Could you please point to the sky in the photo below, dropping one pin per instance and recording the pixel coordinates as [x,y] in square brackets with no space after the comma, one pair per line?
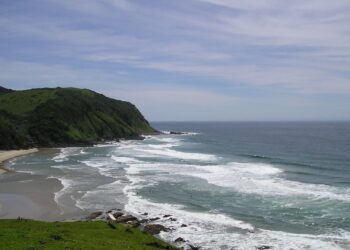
[189,60]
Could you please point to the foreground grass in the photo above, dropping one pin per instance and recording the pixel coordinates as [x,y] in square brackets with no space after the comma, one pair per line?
[30,235]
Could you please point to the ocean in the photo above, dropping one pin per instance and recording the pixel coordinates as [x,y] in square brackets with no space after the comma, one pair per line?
[229,185]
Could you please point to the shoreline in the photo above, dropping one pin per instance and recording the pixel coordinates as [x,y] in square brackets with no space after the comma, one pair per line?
[10,154]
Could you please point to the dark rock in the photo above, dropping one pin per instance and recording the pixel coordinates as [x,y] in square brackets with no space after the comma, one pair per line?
[153,219]
[180,239]
[143,221]
[194,247]
[173,219]
[176,133]
[118,214]
[94,215]
[155,228]
[263,247]
[145,214]
[183,225]
[134,223]
[125,218]
[167,215]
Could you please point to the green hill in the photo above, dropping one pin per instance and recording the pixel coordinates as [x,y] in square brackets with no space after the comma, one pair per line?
[65,117]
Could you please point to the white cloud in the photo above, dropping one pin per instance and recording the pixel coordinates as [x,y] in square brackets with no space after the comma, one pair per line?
[296,46]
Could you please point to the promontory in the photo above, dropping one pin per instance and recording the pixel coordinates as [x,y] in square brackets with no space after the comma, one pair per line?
[57,117]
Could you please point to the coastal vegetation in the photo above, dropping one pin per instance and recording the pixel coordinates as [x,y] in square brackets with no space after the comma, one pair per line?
[29,234]
[54,117]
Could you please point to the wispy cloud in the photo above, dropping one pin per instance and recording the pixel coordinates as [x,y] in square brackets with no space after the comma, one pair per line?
[297,47]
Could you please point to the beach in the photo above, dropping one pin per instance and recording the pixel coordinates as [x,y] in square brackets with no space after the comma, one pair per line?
[23,194]
[9,154]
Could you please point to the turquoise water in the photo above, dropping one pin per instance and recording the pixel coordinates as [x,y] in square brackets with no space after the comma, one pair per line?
[235,185]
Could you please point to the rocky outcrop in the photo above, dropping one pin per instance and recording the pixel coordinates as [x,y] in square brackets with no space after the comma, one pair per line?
[118,214]
[125,219]
[264,247]
[176,133]
[180,239]
[94,215]
[155,228]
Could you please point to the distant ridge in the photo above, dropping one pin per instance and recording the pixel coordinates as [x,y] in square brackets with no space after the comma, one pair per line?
[54,117]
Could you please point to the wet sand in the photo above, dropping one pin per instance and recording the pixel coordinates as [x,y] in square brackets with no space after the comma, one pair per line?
[9,154]
[27,195]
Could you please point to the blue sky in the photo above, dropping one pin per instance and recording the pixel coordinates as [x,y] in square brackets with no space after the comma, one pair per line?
[195,60]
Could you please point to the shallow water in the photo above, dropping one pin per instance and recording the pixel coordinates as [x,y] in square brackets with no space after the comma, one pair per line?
[236,185]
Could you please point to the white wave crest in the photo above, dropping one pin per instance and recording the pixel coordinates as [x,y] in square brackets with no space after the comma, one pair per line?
[124,160]
[65,153]
[264,179]
[178,154]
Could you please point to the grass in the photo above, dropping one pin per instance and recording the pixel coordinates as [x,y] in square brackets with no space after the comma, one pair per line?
[65,116]
[21,102]
[33,235]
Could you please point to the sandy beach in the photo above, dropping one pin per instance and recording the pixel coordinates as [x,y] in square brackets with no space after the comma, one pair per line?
[9,154]
[23,195]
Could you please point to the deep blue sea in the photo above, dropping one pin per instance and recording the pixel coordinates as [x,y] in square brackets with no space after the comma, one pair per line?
[235,185]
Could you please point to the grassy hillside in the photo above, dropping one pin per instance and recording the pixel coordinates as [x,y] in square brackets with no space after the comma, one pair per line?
[65,116]
[28,234]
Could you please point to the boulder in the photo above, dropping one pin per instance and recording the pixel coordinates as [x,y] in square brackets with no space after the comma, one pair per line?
[125,218]
[172,219]
[263,247]
[194,247]
[155,228]
[143,221]
[183,225]
[154,219]
[118,214]
[180,239]
[167,215]
[94,215]
[133,223]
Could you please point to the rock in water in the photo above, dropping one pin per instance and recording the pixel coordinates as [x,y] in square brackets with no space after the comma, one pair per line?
[194,247]
[125,218]
[263,247]
[134,223]
[143,221]
[180,239]
[153,219]
[155,228]
[94,215]
[118,214]
[176,133]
